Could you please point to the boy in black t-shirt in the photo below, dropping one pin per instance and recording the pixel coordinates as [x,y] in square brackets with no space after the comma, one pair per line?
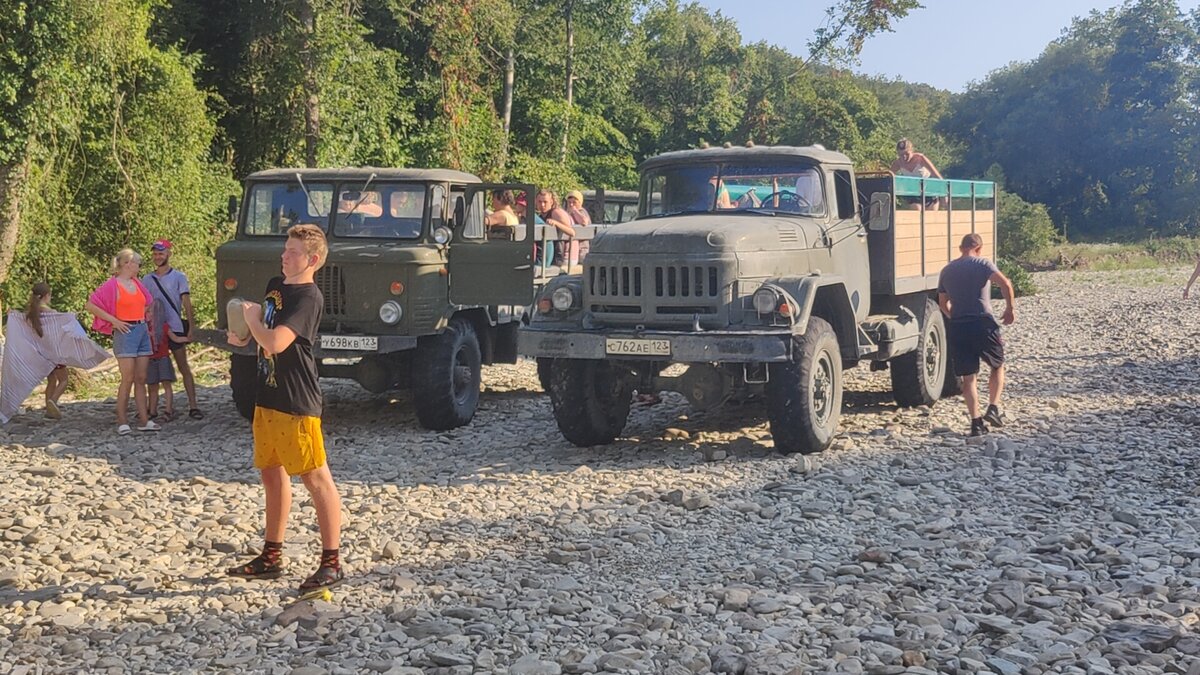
[287,415]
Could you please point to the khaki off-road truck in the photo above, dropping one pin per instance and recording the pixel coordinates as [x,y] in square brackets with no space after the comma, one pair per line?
[419,292]
[765,270]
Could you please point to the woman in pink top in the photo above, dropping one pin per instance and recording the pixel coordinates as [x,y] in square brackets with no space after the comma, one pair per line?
[119,306]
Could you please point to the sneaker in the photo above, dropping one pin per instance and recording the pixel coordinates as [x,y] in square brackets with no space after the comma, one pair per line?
[978,428]
[993,416]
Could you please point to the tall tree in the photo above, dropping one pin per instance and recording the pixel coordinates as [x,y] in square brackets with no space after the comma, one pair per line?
[116,150]
[35,44]
[1101,127]
[299,80]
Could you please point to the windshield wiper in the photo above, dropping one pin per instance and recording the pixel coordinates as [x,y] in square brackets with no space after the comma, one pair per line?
[362,193]
[315,208]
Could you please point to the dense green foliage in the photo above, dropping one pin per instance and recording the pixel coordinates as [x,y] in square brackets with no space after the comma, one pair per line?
[1021,279]
[125,120]
[117,139]
[1101,128]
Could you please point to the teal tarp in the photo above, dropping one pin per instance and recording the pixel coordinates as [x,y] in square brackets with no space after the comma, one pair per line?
[910,186]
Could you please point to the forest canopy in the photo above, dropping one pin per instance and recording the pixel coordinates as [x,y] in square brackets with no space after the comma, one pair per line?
[122,121]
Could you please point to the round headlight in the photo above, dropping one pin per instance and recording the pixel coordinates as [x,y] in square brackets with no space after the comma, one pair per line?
[441,235]
[765,300]
[390,312]
[562,298]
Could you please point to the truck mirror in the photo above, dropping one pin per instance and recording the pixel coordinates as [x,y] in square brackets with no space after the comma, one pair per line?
[233,208]
[880,217]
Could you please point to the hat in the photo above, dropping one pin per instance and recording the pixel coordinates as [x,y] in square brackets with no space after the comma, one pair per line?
[521,199]
[161,245]
[576,194]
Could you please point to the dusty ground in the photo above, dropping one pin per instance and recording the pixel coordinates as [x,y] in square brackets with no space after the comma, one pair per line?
[1066,542]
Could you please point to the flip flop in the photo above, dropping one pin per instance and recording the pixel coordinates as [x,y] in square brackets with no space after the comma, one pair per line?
[195,414]
[124,430]
[168,416]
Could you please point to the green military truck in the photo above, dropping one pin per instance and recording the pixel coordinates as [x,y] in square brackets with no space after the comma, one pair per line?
[610,207]
[419,292]
[764,270]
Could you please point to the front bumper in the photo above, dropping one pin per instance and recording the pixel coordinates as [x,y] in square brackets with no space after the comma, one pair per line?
[387,344]
[704,347]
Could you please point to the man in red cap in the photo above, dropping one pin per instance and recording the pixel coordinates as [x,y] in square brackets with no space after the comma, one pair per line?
[171,286]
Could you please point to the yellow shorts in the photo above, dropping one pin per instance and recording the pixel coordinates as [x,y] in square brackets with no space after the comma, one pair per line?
[291,441]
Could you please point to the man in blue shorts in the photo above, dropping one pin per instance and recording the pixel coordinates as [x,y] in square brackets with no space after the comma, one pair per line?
[964,294]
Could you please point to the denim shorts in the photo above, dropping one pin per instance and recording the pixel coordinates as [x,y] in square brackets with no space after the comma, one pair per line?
[134,343]
[160,371]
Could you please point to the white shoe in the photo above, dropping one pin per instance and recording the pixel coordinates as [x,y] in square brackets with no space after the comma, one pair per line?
[149,426]
[123,430]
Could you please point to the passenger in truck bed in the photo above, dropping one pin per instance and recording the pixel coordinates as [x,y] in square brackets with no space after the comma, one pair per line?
[909,162]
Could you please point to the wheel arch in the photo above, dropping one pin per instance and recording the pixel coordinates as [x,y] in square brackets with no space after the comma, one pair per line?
[484,326]
[832,304]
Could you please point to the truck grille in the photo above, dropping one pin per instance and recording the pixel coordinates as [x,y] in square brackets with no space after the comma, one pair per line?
[615,281]
[640,293]
[686,282]
[674,281]
[333,287]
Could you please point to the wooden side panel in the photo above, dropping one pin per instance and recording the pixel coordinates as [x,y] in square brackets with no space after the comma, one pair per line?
[943,232]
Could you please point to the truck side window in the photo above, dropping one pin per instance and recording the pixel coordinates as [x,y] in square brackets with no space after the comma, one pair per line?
[845,194]
[473,227]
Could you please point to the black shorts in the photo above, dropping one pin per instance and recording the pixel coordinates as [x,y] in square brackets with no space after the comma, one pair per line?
[928,202]
[974,338]
[176,346]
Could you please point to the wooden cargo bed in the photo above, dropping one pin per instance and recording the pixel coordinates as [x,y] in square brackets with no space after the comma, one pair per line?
[908,256]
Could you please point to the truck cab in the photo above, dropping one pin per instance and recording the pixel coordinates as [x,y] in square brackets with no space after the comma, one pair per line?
[753,266]
[419,292]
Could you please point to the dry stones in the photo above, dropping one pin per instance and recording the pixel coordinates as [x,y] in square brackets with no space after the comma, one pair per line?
[1068,541]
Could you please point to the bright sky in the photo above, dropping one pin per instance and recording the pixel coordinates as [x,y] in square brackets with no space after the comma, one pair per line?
[947,44]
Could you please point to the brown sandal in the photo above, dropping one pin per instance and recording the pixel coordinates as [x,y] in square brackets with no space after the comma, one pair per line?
[259,568]
[324,577]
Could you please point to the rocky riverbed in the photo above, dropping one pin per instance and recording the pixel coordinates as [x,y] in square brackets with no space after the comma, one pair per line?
[1066,542]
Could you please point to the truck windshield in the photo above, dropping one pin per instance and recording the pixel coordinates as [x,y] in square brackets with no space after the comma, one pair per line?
[792,188]
[271,208]
[380,210]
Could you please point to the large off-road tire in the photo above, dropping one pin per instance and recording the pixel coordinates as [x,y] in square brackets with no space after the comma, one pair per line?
[446,371]
[918,377]
[591,400]
[243,382]
[544,368]
[804,396]
[953,385]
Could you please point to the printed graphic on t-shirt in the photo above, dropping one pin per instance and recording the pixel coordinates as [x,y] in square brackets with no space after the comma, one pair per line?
[288,379]
[272,306]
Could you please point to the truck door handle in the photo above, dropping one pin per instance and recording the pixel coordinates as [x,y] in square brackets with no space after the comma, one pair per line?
[523,267]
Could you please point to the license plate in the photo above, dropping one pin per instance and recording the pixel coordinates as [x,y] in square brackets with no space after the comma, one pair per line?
[362,343]
[632,347]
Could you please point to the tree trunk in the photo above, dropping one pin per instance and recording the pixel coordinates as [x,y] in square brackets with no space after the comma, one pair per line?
[510,68]
[12,186]
[570,12]
[312,99]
